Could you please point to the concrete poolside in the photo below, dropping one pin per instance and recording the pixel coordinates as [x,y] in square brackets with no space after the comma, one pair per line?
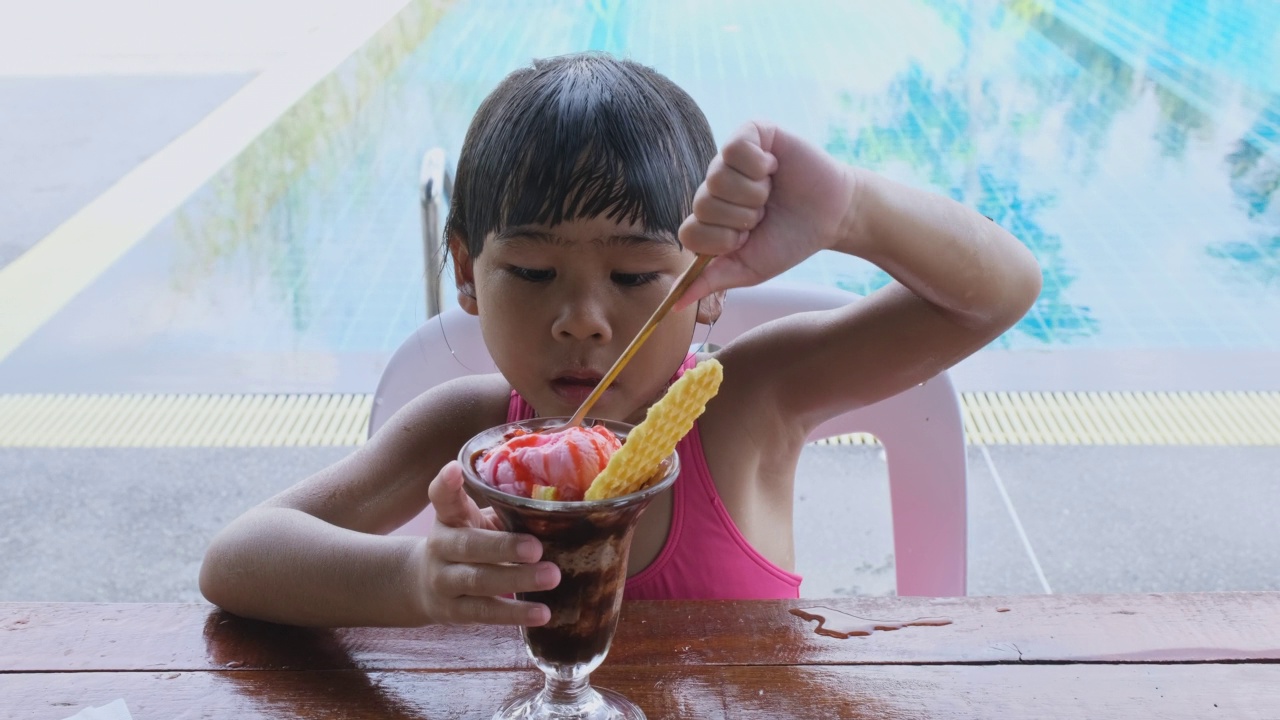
[130,524]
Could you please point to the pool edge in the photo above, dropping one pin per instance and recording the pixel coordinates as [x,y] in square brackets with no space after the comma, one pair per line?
[41,281]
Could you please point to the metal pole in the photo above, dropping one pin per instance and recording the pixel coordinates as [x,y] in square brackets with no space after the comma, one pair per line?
[434,183]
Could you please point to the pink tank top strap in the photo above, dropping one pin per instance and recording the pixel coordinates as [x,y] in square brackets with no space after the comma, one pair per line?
[518,409]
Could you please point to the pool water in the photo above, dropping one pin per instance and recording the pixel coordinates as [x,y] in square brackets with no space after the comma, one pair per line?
[1134,147]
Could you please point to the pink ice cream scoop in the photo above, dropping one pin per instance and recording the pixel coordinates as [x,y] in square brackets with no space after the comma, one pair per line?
[529,463]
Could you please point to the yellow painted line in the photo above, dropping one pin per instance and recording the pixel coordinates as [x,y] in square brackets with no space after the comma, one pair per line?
[850,439]
[1268,415]
[269,420]
[183,420]
[46,277]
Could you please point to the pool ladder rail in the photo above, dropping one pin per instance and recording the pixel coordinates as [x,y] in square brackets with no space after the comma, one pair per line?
[435,186]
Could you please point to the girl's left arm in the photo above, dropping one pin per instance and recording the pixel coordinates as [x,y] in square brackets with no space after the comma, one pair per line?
[770,200]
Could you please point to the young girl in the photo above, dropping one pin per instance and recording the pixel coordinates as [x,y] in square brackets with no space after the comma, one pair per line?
[580,196]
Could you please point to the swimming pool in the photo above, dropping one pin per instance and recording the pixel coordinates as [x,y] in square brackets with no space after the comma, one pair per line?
[1135,150]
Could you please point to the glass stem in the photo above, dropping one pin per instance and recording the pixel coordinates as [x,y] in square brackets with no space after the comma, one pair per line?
[569,690]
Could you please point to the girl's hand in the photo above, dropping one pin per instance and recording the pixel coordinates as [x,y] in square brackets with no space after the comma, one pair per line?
[769,201]
[470,562]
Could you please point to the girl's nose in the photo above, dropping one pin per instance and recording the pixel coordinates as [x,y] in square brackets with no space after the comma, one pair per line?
[582,318]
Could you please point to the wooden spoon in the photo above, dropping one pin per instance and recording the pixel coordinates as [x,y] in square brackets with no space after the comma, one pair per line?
[677,291]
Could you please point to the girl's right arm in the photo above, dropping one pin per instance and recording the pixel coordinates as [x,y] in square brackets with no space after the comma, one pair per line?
[317,554]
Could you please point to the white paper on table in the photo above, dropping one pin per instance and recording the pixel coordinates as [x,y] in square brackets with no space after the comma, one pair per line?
[114,710]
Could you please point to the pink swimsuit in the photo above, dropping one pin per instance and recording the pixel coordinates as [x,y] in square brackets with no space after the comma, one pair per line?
[705,556]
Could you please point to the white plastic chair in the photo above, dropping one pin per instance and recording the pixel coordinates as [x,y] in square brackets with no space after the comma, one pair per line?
[921,429]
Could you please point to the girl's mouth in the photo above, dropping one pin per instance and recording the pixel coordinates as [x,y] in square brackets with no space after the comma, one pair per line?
[573,389]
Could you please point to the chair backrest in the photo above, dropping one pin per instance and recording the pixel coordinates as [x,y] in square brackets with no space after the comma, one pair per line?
[921,429]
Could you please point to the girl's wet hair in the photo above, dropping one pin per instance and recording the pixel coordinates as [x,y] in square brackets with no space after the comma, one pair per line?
[580,136]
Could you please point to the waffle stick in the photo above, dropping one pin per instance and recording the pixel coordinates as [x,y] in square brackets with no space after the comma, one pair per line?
[669,420]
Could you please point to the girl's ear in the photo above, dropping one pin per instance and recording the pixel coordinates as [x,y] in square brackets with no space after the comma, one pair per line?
[709,307]
[464,275]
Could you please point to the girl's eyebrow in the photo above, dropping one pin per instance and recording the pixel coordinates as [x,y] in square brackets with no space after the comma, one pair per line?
[639,238]
[524,234]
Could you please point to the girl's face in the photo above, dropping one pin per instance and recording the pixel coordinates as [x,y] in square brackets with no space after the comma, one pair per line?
[557,306]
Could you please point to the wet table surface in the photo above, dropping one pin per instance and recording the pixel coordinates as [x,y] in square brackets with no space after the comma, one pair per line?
[1210,655]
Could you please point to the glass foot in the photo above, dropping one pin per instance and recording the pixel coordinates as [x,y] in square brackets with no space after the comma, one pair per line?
[595,704]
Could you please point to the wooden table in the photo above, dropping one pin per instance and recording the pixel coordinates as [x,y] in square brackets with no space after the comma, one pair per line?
[1123,656]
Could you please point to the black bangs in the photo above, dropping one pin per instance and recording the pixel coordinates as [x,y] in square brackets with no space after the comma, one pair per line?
[580,136]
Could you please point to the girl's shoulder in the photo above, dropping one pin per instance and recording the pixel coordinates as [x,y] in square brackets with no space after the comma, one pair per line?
[444,417]
[471,402]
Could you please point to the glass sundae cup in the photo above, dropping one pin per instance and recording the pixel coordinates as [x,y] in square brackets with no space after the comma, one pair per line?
[589,541]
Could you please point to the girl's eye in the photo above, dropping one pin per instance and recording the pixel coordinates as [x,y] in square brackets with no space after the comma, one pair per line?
[531,274]
[634,279]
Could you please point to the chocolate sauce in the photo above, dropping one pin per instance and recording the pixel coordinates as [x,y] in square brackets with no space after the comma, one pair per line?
[837,624]
[591,549]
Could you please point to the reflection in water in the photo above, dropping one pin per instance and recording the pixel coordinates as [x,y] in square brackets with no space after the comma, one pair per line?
[277,225]
[1132,146]
[1179,120]
[853,692]
[931,128]
[1035,108]
[338,688]
[1196,59]
[1109,84]
[1255,177]
[1032,74]
[1259,259]
[289,215]
[1092,84]
[1028,122]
